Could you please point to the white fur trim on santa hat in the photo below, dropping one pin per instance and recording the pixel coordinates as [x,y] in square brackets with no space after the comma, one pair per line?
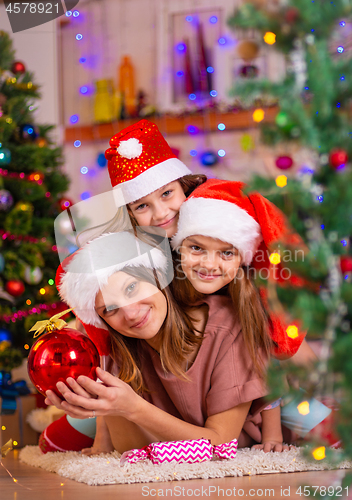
[153,178]
[83,278]
[219,219]
[131,148]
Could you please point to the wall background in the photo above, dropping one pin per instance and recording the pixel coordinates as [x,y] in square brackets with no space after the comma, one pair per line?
[145,30]
[37,49]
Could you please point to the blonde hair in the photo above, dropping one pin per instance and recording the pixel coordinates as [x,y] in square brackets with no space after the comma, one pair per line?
[120,222]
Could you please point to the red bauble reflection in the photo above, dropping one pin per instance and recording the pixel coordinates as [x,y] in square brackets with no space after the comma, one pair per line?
[61,354]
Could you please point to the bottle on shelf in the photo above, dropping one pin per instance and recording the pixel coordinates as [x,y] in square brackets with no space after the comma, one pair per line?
[127,85]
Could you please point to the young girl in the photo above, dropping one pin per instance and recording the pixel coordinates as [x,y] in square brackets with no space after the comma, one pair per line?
[179,376]
[224,237]
[154,183]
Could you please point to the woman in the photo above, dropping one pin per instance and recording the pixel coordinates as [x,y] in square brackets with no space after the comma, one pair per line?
[175,374]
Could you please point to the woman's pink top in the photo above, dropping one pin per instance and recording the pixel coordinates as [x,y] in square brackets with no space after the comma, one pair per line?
[221,376]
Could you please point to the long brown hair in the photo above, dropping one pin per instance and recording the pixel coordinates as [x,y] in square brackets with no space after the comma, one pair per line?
[191,181]
[178,338]
[247,303]
[252,316]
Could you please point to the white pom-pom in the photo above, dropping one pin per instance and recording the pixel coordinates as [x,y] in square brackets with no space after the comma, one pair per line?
[40,418]
[131,148]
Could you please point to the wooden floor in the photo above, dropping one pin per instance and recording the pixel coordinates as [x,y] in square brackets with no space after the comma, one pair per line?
[37,484]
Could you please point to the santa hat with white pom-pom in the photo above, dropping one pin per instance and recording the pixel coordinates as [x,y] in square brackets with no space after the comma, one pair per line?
[140,161]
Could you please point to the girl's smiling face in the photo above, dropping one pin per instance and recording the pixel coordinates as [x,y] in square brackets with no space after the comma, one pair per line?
[160,208]
[209,263]
[132,307]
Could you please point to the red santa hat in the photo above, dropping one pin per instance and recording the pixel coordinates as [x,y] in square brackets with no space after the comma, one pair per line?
[81,276]
[221,210]
[140,161]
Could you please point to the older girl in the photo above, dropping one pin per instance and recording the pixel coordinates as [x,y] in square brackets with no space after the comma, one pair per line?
[175,375]
[153,184]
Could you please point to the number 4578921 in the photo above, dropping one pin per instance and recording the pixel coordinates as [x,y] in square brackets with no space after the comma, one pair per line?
[32,8]
[330,491]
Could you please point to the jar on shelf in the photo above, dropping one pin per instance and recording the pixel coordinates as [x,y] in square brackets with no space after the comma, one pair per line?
[104,101]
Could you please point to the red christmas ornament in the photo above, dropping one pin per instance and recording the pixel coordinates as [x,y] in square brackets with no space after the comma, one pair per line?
[291,15]
[338,158]
[60,354]
[18,67]
[15,288]
[65,203]
[284,162]
[346,263]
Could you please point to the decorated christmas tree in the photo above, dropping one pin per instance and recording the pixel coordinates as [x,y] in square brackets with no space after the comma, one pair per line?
[32,191]
[314,115]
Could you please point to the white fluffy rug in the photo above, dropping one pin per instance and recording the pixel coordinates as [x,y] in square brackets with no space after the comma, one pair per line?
[106,469]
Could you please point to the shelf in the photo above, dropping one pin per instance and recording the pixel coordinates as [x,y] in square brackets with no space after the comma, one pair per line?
[170,125]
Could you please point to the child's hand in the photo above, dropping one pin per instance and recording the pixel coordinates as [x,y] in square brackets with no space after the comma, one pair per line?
[271,446]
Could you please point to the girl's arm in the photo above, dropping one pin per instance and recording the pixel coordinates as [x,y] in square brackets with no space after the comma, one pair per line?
[219,428]
[271,431]
[118,398]
[102,441]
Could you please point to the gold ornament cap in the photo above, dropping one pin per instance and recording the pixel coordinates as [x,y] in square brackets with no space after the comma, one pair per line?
[49,325]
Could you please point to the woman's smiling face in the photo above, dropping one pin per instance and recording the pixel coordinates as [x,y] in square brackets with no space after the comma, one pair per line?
[209,263]
[132,307]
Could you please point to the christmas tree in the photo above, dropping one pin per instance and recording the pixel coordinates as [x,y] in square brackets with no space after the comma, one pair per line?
[314,114]
[31,196]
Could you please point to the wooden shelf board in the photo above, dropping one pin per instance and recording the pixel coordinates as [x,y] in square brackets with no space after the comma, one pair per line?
[171,125]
